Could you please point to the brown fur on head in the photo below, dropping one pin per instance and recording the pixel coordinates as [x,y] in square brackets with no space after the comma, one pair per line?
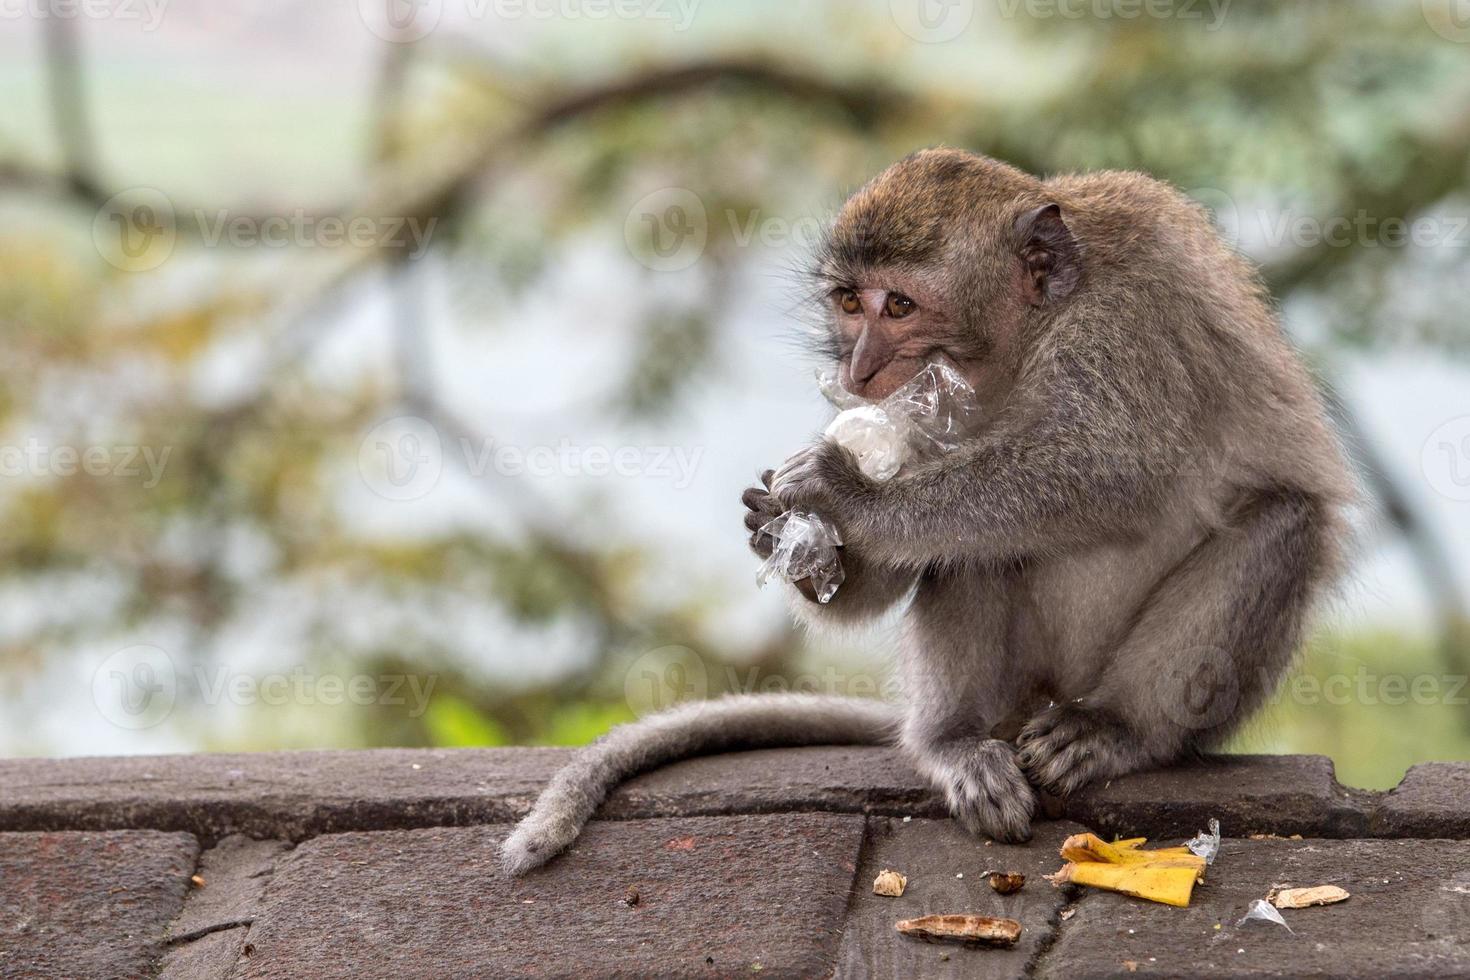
[943,254]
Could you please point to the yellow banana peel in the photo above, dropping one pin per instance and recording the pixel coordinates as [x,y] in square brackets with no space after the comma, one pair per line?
[1166,874]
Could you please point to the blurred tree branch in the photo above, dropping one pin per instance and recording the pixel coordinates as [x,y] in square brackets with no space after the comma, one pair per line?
[445,181]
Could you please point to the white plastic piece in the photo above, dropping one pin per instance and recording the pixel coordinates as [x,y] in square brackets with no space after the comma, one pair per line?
[933,413]
[879,443]
[1265,911]
[1206,844]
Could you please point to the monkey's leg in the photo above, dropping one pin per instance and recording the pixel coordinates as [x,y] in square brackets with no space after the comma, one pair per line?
[961,681]
[1206,648]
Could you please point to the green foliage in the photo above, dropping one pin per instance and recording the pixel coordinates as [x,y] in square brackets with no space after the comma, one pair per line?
[1376,702]
[1318,110]
[578,723]
[453,722]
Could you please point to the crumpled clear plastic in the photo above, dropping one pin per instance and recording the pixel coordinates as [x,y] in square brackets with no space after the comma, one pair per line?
[932,413]
[1206,844]
[805,546]
[1264,911]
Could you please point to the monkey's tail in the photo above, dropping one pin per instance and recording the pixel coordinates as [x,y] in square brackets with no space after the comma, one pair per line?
[747,721]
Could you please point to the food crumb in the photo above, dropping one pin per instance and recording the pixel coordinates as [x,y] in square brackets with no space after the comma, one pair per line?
[890,883]
[1300,898]
[1007,882]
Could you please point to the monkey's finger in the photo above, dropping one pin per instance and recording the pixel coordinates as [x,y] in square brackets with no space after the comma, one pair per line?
[755,520]
[790,472]
[762,545]
[766,478]
[754,498]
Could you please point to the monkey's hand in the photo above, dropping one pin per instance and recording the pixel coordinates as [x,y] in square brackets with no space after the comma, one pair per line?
[824,478]
[761,508]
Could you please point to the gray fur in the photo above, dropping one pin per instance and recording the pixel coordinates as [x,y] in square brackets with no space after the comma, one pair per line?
[694,728]
[1120,565]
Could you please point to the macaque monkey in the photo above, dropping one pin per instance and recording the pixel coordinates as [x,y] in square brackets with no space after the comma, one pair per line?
[1114,571]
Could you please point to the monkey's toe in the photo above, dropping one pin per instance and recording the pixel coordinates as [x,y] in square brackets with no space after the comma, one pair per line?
[988,794]
[1066,747]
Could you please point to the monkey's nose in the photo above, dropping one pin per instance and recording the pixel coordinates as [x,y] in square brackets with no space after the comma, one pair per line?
[862,372]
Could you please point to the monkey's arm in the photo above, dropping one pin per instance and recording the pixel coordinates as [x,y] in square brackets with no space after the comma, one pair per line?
[1087,452]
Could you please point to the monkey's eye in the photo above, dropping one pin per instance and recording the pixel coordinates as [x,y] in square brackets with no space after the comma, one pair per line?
[899,306]
[848,300]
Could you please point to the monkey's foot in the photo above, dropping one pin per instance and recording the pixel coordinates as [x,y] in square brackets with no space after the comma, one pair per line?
[986,790]
[1066,747]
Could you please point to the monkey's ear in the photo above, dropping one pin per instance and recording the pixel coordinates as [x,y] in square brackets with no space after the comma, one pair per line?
[1051,258]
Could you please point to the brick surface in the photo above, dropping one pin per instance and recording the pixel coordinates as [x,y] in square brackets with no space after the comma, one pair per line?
[209,957]
[288,795]
[754,863]
[932,853]
[1432,801]
[1409,916]
[235,873]
[297,795]
[841,779]
[718,896]
[89,904]
[1280,794]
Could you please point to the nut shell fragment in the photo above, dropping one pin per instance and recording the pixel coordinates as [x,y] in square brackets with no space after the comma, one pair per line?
[889,883]
[974,930]
[1007,883]
[1300,898]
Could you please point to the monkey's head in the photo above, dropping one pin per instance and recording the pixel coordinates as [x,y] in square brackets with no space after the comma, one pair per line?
[945,254]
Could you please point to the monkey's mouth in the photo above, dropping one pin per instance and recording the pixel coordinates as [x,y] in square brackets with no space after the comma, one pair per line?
[895,374]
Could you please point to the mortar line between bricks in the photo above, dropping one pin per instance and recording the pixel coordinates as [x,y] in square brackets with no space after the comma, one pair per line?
[244,956]
[210,833]
[853,891]
[249,927]
[244,923]
[167,944]
[1047,943]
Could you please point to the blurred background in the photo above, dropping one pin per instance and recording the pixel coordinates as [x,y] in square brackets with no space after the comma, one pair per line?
[387,372]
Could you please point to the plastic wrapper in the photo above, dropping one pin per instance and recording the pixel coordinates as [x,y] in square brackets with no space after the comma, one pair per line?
[1206,844]
[1264,911]
[931,414]
[805,546]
